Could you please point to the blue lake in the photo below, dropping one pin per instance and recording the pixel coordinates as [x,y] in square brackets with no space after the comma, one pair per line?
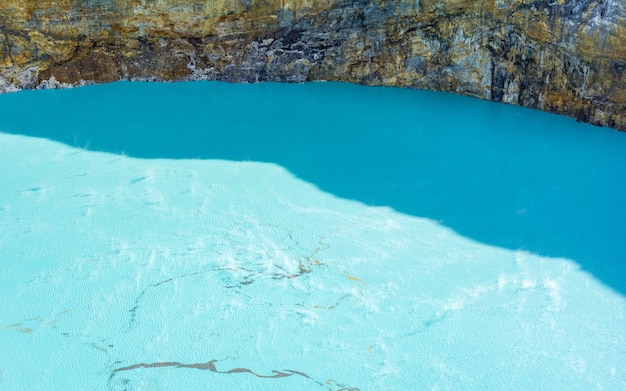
[312,236]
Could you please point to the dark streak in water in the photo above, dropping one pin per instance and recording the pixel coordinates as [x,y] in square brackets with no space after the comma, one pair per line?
[210,366]
[305,266]
[310,261]
[429,322]
[138,179]
[302,270]
[133,310]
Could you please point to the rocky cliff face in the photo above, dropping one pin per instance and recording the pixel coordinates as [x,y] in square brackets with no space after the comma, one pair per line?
[563,56]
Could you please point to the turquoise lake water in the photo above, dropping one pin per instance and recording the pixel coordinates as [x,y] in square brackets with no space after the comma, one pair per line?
[317,236]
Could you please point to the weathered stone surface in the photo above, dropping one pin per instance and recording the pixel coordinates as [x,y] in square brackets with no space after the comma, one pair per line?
[563,56]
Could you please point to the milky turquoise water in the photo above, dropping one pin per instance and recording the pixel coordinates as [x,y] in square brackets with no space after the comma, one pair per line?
[318,236]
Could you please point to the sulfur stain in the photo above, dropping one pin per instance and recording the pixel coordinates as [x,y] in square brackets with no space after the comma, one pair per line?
[353,278]
[18,327]
[100,348]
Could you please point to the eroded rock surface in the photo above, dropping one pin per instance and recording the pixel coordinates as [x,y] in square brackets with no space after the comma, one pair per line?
[563,56]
